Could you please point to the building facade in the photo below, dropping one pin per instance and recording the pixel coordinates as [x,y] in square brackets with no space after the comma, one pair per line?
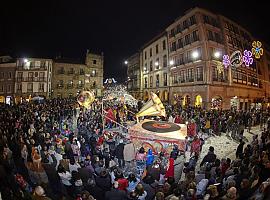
[134,76]
[33,78]
[195,75]
[7,79]
[154,68]
[94,72]
[70,78]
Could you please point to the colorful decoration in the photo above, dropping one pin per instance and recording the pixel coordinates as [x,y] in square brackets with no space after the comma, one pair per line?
[226,61]
[257,49]
[236,59]
[247,58]
[86,98]
[220,68]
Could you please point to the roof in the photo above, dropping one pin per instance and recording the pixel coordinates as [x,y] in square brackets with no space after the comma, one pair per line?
[69,61]
[163,33]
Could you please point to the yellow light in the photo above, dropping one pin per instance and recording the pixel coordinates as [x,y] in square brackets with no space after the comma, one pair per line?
[257,49]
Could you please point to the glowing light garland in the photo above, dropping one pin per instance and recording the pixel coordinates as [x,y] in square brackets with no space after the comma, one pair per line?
[247,58]
[226,61]
[220,68]
[257,49]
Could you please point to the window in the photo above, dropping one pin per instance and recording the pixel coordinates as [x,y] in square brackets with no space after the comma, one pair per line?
[30,76]
[187,39]
[41,76]
[151,65]
[37,64]
[157,63]
[157,49]
[29,87]
[60,84]
[188,58]
[206,19]
[145,55]
[157,80]
[178,28]
[145,82]
[192,20]
[217,37]
[174,78]
[190,77]
[172,34]
[2,75]
[94,62]
[150,52]
[185,24]
[145,67]
[41,87]
[195,36]
[9,75]
[8,88]
[164,45]
[81,71]
[210,35]
[151,81]
[165,79]
[199,74]
[165,61]
[173,48]
[71,71]
[94,73]
[182,76]
[19,87]
[70,84]
[180,43]
[2,88]
[181,59]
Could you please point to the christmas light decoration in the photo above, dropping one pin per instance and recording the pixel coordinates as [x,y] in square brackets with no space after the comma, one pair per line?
[226,61]
[247,58]
[257,49]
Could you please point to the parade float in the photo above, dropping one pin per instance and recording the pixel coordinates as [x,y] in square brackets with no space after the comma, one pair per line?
[160,136]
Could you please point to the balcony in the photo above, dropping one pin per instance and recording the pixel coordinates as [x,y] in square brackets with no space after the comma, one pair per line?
[60,86]
[31,79]
[80,86]
[69,86]
[32,68]
[60,72]
[70,72]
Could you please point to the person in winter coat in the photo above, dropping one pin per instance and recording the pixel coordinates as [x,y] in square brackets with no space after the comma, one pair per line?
[115,193]
[210,157]
[104,180]
[170,170]
[129,152]
[178,168]
[149,158]
[119,154]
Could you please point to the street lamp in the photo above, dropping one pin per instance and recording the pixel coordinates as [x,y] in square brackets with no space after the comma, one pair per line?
[217,54]
[171,62]
[195,54]
[25,60]
[126,62]
[156,63]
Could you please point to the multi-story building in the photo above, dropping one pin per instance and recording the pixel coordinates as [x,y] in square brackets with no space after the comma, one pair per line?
[154,67]
[7,79]
[134,75]
[68,78]
[197,42]
[72,77]
[33,78]
[94,72]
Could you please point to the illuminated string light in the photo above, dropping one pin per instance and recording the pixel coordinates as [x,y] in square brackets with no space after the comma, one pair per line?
[257,49]
[226,61]
[247,58]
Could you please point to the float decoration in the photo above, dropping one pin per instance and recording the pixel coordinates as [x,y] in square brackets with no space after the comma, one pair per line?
[226,61]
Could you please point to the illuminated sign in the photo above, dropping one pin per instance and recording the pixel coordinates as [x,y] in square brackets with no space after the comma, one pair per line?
[226,61]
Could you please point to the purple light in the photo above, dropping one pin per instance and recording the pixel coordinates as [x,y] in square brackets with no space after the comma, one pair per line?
[247,58]
[226,61]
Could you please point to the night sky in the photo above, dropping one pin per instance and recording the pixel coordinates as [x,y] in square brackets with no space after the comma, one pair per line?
[47,28]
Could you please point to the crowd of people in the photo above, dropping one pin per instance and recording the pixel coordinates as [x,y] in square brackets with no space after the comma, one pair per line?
[58,150]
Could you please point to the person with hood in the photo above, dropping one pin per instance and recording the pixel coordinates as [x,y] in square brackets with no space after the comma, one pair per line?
[149,158]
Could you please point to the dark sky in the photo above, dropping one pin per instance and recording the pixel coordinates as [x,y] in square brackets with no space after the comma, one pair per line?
[46,28]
